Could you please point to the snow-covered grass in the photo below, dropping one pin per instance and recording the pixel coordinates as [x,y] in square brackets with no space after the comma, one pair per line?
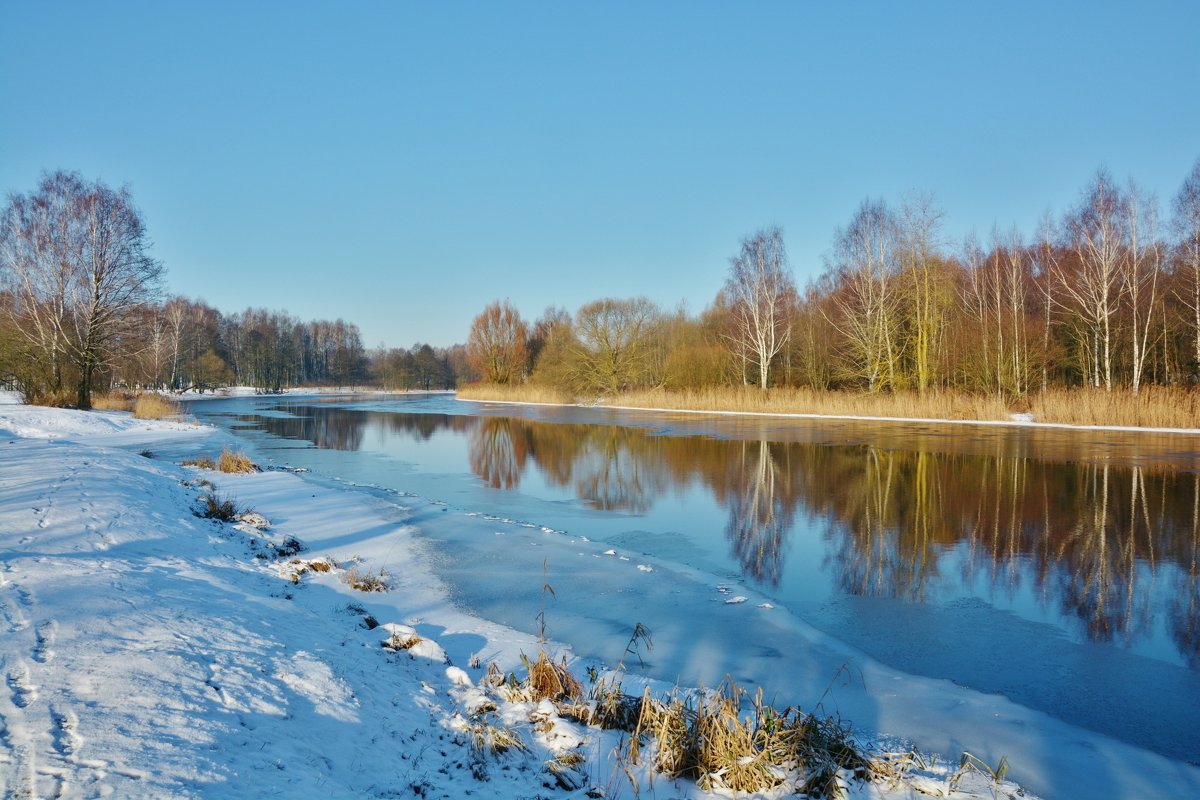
[150,652]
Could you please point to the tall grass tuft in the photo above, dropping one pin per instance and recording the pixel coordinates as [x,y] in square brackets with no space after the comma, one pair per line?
[231,461]
[113,401]
[154,406]
[705,737]
[218,508]
[523,393]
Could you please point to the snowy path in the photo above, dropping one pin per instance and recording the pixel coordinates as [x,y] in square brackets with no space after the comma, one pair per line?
[148,653]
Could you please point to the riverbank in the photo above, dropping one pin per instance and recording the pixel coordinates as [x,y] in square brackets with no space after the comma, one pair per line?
[1153,409]
[150,652]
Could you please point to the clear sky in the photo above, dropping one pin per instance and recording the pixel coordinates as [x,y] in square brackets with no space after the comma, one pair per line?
[402,164]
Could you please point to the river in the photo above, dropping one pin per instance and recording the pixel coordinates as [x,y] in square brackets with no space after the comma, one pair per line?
[1059,569]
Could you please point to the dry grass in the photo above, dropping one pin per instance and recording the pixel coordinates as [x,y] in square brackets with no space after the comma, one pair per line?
[203,462]
[299,566]
[1152,407]
[218,508]
[749,399]
[113,401]
[550,680]
[525,393]
[487,737]
[154,406]
[366,581]
[706,738]
[231,461]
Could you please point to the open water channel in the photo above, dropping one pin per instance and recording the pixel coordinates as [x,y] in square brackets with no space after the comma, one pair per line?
[1058,569]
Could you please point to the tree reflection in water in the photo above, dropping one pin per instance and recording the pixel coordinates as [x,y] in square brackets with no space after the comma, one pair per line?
[761,511]
[1092,540]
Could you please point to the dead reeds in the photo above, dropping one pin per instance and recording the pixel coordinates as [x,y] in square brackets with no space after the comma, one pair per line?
[1152,407]
[523,393]
[154,406]
[113,401]
[235,462]
[364,580]
[219,508]
[705,737]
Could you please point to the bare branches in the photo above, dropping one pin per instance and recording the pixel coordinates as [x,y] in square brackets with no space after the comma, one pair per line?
[77,252]
[497,346]
[761,293]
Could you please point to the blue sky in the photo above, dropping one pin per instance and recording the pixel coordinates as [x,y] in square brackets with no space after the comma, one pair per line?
[400,165]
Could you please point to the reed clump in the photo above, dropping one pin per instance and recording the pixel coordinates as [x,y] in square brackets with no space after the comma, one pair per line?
[219,508]
[706,738]
[154,406]
[235,462]
[364,580]
[200,462]
[113,401]
[547,679]
[752,400]
[522,393]
[1153,406]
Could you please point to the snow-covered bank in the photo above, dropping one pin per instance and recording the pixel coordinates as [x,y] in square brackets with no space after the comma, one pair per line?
[152,653]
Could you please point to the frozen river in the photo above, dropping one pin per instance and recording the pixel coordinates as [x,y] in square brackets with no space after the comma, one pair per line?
[905,576]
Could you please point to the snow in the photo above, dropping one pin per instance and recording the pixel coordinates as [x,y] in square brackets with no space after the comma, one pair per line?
[148,652]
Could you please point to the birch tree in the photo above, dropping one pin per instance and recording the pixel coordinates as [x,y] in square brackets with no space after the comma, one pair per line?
[865,301]
[1096,233]
[1186,223]
[1140,270]
[761,293]
[920,222]
[79,253]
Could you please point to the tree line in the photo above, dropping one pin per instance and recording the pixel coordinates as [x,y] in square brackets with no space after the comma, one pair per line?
[1105,295]
[81,309]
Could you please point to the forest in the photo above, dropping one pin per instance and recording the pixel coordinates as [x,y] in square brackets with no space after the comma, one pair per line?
[81,310]
[1105,296]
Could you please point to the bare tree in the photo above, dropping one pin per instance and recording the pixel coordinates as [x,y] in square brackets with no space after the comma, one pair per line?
[497,346]
[1096,232]
[919,245]
[1140,270]
[1187,228]
[612,352]
[37,253]
[761,293]
[865,301]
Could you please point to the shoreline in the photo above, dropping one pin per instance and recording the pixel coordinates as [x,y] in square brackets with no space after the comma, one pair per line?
[1015,423]
[328,522]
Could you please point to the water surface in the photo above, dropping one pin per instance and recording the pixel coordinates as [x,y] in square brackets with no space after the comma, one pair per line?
[1057,568]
